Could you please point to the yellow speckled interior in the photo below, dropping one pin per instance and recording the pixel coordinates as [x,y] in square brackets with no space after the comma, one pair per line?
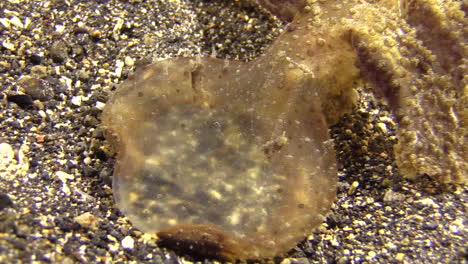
[206,142]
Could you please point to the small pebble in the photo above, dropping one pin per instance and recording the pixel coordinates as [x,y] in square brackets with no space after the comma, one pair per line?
[8,45]
[76,100]
[87,220]
[39,70]
[6,154]
[299,261]
[391,196]
[16,22]
[128,243]
[22,100]
[427,202]
[100,105]
[36,88]
[7,223]
[129,61]
[5,201]
[59,51]
[430,226]
[63,176]
[353,187]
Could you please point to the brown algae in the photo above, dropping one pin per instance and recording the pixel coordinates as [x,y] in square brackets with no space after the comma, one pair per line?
[223,158]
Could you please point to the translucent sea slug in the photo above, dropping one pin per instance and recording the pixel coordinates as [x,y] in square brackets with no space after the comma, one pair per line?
[233,160]
[222,155]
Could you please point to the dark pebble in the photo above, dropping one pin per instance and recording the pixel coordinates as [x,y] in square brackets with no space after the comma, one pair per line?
[83,75]
[89,171]
[98,133]
[78,50]
[68,225]
[22,100]
[52,239]
[15,66]
[430,226]
[91,121]
[36,59]
[101,244]
[68,248]
[36,88]
[143,62]
[15,124]
[19,244]
[45,176]
[291,28]
[7,223]
[80,30]
[105,176]
[5,201]
[34,163]
[332,221]
[59,51]
[54,82]
[99,154]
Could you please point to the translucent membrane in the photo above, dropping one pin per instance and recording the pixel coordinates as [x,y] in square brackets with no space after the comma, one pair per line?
[223,158]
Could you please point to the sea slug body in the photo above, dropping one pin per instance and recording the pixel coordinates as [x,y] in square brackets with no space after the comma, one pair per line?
[218,157]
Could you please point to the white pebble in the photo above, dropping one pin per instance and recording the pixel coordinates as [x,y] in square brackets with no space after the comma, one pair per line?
[6,153]
[456,226]
[63,176]
[118,72]
[15,21]
[129,61]
[100,105]
[42,113]
[27,22]
[59,28]
[76,100]
[87,160]
[5,22]
[8,45]
[128,242]
[119,64]
[427,202]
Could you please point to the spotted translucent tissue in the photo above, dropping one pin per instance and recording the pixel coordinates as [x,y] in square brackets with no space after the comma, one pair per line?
[222,158]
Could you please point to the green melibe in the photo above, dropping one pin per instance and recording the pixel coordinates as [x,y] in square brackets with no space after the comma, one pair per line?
[233,160]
